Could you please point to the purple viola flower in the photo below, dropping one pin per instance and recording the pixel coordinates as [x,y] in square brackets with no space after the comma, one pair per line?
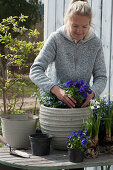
[74,136]
[86,133]
[74,132]
[85,86]
[84,141]
[77,84]
[81,82]
[69,83]
[68,139]
[81,91]
[89,91]
[80,133]
[85,95]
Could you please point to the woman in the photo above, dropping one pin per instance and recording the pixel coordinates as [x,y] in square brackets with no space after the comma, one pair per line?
[73,52]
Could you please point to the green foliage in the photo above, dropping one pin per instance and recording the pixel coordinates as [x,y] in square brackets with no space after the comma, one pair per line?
[106,110]
[29,8]
[101,117]
[22,87]
[18,51]
[14,50]
[93,124]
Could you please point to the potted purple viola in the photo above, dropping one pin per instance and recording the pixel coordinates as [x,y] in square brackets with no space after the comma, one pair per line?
[77,143]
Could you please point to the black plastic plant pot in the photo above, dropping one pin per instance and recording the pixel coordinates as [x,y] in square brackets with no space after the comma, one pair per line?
[75,155]
[40,144]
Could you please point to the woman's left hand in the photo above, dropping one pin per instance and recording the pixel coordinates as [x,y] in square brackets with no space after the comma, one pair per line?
[89,97]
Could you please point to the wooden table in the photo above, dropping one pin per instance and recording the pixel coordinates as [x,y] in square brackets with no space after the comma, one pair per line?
[56,160]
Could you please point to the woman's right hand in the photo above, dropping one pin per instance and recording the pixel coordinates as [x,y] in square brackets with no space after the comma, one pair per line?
[61,95]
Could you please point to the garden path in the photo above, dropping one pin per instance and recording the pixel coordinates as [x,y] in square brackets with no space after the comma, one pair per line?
[28,103]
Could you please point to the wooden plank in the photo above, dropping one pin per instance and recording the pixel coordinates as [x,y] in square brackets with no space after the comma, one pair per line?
[59,13]
[51,16]
[45,19]
[66,5]
[90,2]
[111,73]
[106,36]
[96,18]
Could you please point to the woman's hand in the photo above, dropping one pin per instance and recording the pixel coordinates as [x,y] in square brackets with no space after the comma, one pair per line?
[60,93]
[89,97]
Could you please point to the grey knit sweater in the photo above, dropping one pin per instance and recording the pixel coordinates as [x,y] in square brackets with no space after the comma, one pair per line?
[62,59]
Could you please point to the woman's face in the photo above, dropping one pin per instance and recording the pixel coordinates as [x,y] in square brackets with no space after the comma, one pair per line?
[79,26]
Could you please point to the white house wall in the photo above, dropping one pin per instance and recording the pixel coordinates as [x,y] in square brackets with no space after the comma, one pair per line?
[106,36]
[111,73]
[102,23]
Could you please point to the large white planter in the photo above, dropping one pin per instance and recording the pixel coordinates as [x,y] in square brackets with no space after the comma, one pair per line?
[17,128]
[59,123]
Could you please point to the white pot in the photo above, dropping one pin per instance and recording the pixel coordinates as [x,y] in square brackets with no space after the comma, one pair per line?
[17,128]
[60,123]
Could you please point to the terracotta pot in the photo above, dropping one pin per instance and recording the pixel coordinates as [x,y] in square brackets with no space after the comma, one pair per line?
[75,155]
[60,123]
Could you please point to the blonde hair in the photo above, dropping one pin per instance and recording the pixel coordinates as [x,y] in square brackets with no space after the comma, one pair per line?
[78,7]
[78,0]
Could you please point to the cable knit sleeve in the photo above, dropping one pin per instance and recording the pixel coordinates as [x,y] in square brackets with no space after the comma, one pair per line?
[99,74]
[45,57]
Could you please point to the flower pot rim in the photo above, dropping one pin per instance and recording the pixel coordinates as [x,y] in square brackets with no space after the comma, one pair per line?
[9,117]
[40,136]
[17,132]
[73,148]
[52,108]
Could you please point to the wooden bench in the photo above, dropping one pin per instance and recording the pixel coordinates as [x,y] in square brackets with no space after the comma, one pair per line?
[56,160]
